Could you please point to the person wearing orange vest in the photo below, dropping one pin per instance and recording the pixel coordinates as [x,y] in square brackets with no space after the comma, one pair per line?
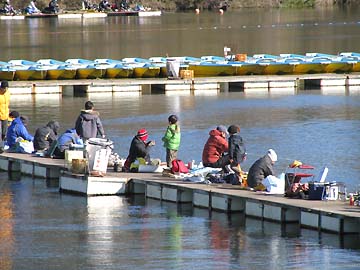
[4,112]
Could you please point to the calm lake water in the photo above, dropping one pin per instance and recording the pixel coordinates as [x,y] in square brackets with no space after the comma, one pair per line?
[43,229]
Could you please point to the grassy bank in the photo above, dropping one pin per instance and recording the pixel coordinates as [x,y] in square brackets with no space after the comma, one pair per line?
[174,5]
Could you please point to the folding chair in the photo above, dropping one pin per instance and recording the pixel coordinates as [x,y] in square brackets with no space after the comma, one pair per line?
[295,172]
[50,152]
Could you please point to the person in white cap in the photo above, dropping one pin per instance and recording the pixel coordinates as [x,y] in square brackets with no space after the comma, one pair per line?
[262,168]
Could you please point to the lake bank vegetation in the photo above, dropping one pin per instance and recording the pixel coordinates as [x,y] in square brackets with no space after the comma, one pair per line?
[184,5]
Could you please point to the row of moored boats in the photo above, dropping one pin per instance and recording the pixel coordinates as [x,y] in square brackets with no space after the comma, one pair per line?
[155,67]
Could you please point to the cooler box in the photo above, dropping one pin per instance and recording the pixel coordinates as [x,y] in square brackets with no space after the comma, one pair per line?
[98,153]
[318,191]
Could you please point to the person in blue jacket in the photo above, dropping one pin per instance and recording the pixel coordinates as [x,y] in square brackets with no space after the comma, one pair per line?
[17,130]
[68,138]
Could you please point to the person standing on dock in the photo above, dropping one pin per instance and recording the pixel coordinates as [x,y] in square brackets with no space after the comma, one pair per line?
[237,150]
[172,139]
[4,112]
[88,124]
[214,153]
[261,169]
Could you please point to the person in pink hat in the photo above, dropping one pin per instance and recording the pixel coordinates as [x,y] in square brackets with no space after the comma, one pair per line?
[139,148]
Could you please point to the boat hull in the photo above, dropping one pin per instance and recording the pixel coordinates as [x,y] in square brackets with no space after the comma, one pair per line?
[146,72]
[7,75]
[356,67]
[61,74]
[278,69]
[338,67]
[309,68]
[89,73]
[212,70]
[30,75]
[249,69]
[112,73]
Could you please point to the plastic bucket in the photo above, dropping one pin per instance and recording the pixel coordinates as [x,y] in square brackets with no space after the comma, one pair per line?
[98,152]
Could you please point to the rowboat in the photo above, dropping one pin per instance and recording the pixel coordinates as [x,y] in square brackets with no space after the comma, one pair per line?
[114,68]
[302,64]
[6,72]
[143,68]
[86,69]
[355,57]
[27,70]
[57,70]
[332,63]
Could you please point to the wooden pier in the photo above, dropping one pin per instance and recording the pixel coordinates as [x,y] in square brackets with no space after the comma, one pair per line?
[327,83]
[331,216]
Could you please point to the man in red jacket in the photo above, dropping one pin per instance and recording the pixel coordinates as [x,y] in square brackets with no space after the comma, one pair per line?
[215,148]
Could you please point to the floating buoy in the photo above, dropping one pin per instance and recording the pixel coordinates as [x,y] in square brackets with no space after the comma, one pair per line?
[197,11]
[221,11]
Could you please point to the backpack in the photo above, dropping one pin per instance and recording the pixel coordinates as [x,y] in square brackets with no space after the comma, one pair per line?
[178,166]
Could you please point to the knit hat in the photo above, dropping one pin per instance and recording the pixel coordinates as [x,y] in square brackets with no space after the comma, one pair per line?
[273,156]
[142,134]
[222,128]
[234,129]
[4,84]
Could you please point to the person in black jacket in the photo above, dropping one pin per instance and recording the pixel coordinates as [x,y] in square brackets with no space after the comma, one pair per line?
[139,148]
[88,124]
[261,169]
[45,136]
[237,150]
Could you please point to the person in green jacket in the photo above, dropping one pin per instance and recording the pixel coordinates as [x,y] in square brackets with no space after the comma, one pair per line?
[171,139]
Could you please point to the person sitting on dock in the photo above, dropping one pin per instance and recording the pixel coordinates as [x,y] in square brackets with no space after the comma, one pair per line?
[139,148]
[31,8]
[124,5]
[17,133]
[104,6]
[53,7]
[261,169]
[8,8]
[88,124]
[45,136]
[237,150]
[214,153]
[67,140]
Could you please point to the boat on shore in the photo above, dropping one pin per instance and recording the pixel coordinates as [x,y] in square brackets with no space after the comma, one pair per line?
[27,70]
[115,68]
[143,68]
[57,70]
[86,69]
[332,63]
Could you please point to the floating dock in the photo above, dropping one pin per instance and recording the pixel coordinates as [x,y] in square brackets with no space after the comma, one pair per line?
[331,216]
[327,83]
